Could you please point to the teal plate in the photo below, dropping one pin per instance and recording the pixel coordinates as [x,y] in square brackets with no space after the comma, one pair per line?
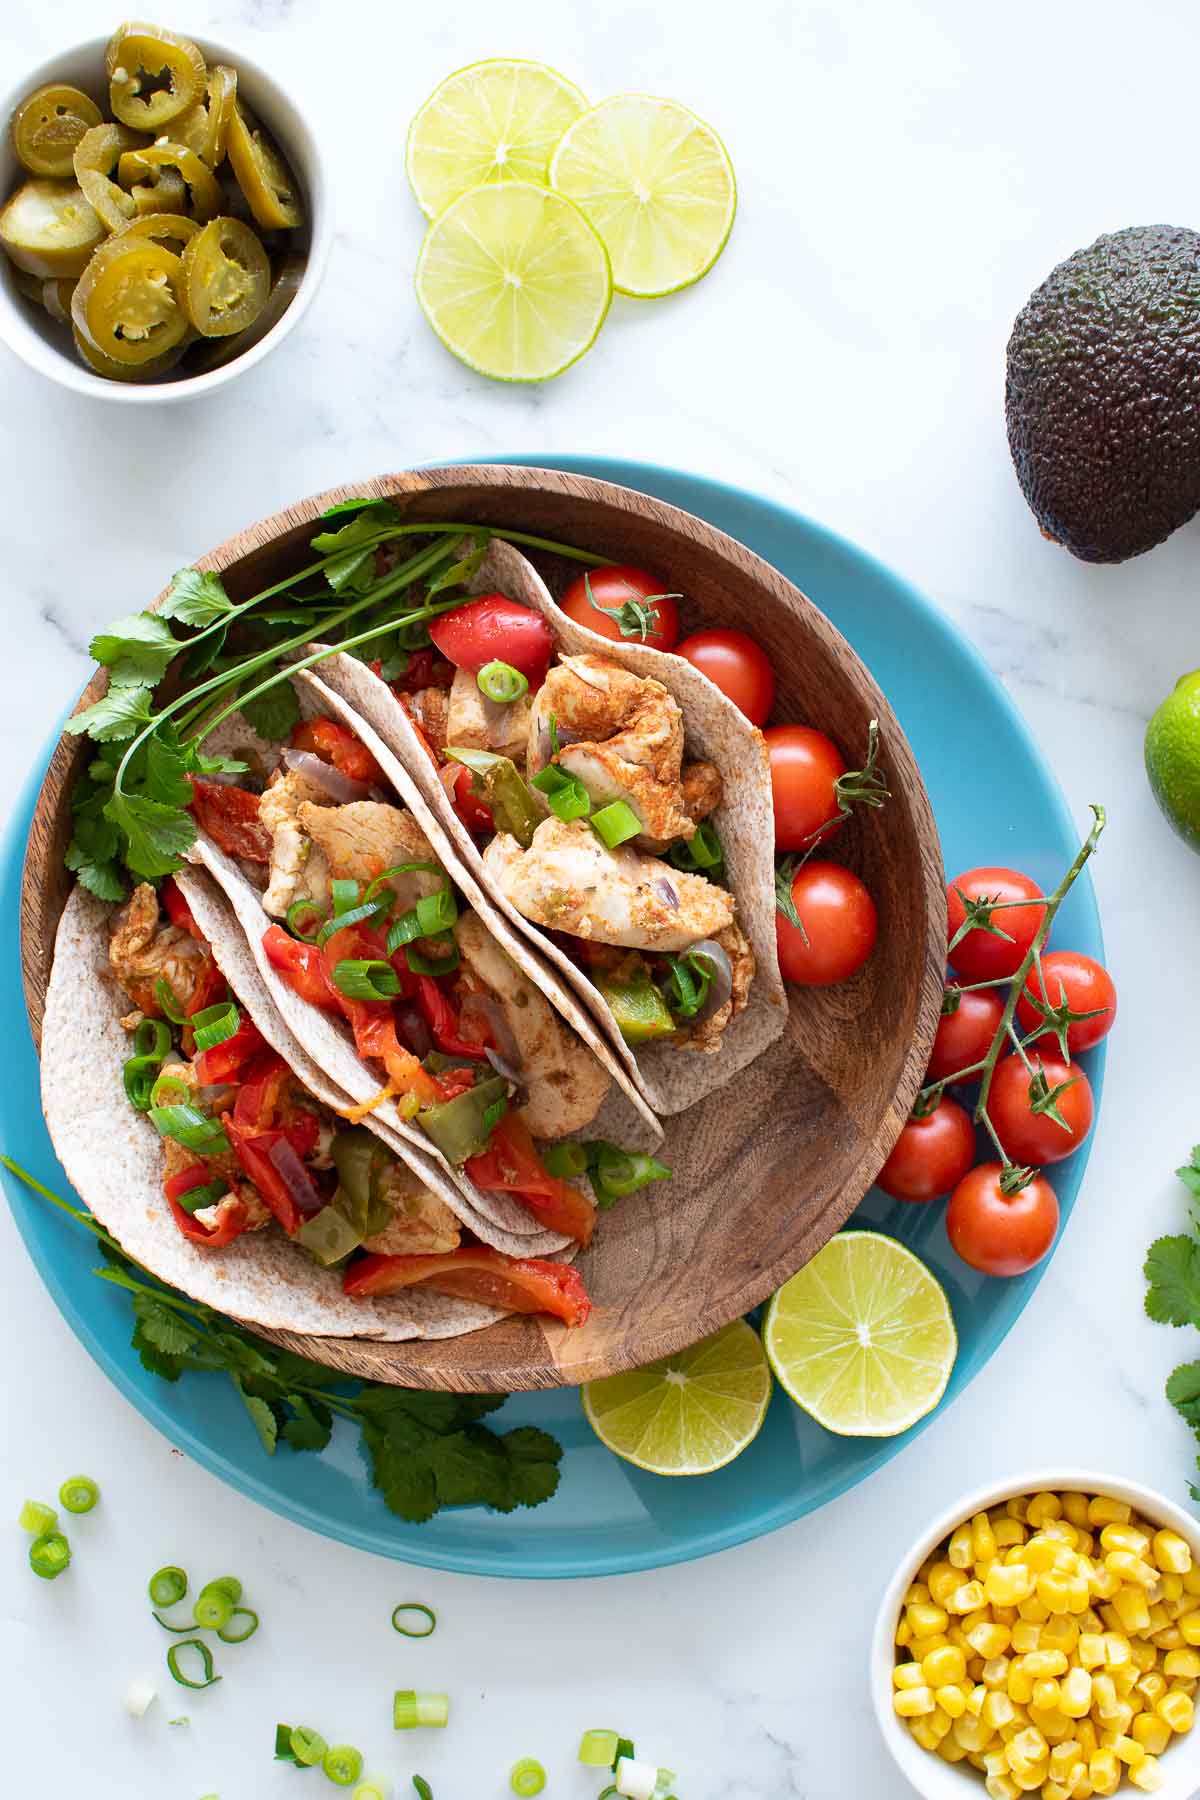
[608,1518]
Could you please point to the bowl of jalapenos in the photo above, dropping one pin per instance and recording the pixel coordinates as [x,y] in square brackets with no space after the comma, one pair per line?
[163,220]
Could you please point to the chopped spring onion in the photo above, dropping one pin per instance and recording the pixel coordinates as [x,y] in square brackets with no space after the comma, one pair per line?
[206,1664]
[500,682]
[403,930]
[191,1128]
[152,1038]
[615,1172]
[167,1587]
[616,823]
[375,1787]
[49,1555]
[624,1748]
[433,965]
[345,896]
[165,995]
[687,982]
[304,909]
[283,1744]
[215,1024]
[599,1749]
[78,1494]
[565,1161]
[308,1746]
[228,1584]
[206,1195]
[36,1519]
[410,1709]
[356,916]
[527,1776]
[342,1764]
[436,912]
[184,1630]
[139,1697]
[702,850]
[414,1606]
[170,1088]
[181,1720]
[138,1075]
[375,890]
[493,1114]
[368,979]
[227,1632]
[213,1609]
[423,1788]
[642,1780]
[567,797]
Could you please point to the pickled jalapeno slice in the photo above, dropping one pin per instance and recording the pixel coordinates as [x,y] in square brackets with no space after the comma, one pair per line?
[96,156]
[100,364]
[144,167]
[129,302]
[47,126]
[153,75]
[204,127]
[226,278]
[48,229]
[271,190]
[174,231]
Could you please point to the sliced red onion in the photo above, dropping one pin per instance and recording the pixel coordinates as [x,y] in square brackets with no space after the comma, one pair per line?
[502,1036]
[296,1178]
[414,1031]
[502,1066]
[722,981]
[666,891]
[210,1097]
[543,748]
[339,787]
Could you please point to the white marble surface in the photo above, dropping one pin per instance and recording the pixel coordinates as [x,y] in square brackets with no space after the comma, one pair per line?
[908,171]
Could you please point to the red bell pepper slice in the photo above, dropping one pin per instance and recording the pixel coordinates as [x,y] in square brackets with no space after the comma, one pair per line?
[178,910]
[511,1164]
[443,1021]
[515,1284]
[266,1102]
[303,967]
[224,1062]
[475,815]
[253,1152]
[336,744]
[233,1211]
[230,817]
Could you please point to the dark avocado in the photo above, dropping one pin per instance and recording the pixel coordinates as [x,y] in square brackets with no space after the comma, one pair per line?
[1103,393]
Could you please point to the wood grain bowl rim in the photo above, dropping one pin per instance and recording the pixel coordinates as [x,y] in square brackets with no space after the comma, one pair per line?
[564,1358]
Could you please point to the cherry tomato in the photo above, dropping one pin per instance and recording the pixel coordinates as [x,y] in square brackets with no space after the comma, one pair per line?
[931,1155]
[1075,981]
[805,766]
[1034,1137]
[839,918]
[474,813]
[981,955]
[999,1233]
[618,612]
[734,663]
[495,629]
[965,1035]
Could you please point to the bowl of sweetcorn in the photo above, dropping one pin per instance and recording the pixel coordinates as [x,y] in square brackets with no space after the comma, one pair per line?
[1043,1637]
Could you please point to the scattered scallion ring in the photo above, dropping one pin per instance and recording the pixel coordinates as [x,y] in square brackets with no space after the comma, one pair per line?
[598,1749]
[216,1024]
[565,794]
[39,1520]
[436,912]
[374,890]
[414,1606]
[410,1709]
[213,1609]
[616,823]
[164,993]
[78,1494]
[206,1664]
[228,1584]
[228,1635]
[139,1075]
[403,930]
[366,979]
[183,1630]
[420,964]
[167,1587]
[304,909]
[342,1764]
[170,1089]
[206,1195]
[49,1555]
[345,896]
[500,682]
[283,1744]
[375,1787]
[358,915]
[188,1126]
[152,1038]
[308,1746]
[686,984]
[703,850]
[564,1161]
[527,1777]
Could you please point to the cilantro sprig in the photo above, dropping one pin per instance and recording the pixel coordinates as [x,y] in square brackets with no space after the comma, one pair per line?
[1172,1271]
[425,1450]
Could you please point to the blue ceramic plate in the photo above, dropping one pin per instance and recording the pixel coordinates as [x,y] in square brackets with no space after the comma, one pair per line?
[608,1518]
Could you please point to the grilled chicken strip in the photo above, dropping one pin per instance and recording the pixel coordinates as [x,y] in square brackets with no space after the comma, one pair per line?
[141,952]
[421,1224]
[297,871]
[476,723]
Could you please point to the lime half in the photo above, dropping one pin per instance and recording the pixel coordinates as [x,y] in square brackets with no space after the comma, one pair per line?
[1173,757]
[862,1337]
[658,186]
[493,121]
[514,281]
[688,1414]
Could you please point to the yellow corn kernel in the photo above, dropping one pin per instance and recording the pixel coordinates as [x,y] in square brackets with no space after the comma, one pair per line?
[926,1619]
[903,1634]
[1075,1696]
[1176,1710]
[1152,1733]
[998,1709]
[943,1665]
[975,1700]
[1189,1627]
[1132,1568]
[1129,1604]
[1182,1664]
[971,1732]
[966,1599]
[1172,1553]
[1043,1506]
[1060,1632]
[1020,1684]
[995,1672]
[1191,1579]
[983,1538]
[958,1550]
[1034,1611]
[1026,1637]
[1121,1720]
[1008,1615]
[908,1675]
[1030,1779]
[1046,1694]
[1054,1790]
[1128,1751]
[1091,1621]
[1172,1584]
[1017,1508]
[943,1579]
[1045,1662]
[923,1646]
[1007,1584]
[1151,1686]
[978,1615]
[1104,1696]
[1001,1787]
[939,1723]
[989,1640]
[1104,1511]
[1124,1537]
[1039,1553]
[1075,1507]
[917,1595]
[1171,1639]
[1066,1763]
[1144,1655]
[1053,1724]
[1146,1775]
[1104,1772]
[1053,1590]
[1103,1582]
[1125,1680]
[1116,1650]
[950,1751]
[952,1700]
[1089,1738]
[1007,1532]
[1090,1650]
[925,1736]
[913,1703]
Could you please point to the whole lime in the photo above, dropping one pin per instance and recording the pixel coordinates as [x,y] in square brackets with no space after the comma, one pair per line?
[1173,757]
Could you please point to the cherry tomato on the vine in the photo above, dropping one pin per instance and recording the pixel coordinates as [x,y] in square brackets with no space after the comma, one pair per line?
[983,954]
[839,919]
[999,1233]
[1077,982]
[495,629]
[736,664]
[805,767]
[617,607]
[931,1155]
[965,1035]
[1034,1137]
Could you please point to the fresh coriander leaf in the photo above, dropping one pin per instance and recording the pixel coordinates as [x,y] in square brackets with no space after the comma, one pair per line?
[254,1358]
[265,1422]
[216,765]
[164,775]
[405,1480]
[348,506]
[1173,1270]
[162,1327]
[274,714]
[351,550]
[100,878]
[309,1425]
[169,1368]
[470,1467]
[1183,1386]
[429,1410]
[157,836]
[136,650]
[92,854]
[204,654]
[197,597]
[533,1458]
[116,716]
[293,1370]
[461,571]
[1190,1174]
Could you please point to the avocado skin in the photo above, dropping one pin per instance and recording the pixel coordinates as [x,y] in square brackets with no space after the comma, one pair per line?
[1102,396]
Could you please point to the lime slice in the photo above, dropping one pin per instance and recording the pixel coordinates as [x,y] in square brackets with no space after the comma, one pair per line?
[658,186]
[688,1414]
[493,121]
[863,1337]
[514,281]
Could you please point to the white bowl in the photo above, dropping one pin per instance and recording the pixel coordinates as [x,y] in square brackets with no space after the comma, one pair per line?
[1179,1765]
[47,346]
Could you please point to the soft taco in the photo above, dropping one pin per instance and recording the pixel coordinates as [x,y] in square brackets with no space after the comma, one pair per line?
[617,808]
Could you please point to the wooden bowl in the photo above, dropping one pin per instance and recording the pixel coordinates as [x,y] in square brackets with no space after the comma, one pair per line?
[766,1169]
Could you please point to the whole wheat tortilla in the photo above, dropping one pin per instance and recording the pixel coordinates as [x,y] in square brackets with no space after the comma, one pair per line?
[671,1079]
